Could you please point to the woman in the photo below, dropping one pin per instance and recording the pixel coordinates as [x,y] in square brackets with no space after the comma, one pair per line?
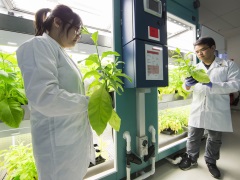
[61,134]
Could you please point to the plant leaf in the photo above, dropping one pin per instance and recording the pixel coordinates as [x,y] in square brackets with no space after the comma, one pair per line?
[108,53]
[95,37]
[100,109]
[11,112]
[124,75]
[7,77]
[92,73]
[84,30]
[115,121]
[91,59]
[200,75]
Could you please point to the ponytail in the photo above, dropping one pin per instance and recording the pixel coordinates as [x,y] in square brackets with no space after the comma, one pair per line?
[41,20]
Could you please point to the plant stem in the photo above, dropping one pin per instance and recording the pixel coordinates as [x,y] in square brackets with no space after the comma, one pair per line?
[189,69]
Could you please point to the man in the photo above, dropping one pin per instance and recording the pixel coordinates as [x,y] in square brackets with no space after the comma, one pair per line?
[210,109]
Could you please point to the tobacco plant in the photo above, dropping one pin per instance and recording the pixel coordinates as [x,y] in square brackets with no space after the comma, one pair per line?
[12,94]
[174,119]
[19,162]
[188,69]
[107,77]
[175,85]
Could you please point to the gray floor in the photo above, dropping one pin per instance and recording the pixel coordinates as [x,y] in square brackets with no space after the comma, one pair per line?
[229,162]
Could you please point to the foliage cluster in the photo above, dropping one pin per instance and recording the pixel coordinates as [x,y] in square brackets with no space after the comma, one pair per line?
[188,69]
[174,119]
[19,162]
[106,78]
[12,94]
[175,85]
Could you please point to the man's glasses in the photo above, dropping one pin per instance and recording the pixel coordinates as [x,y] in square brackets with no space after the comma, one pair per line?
[201,50]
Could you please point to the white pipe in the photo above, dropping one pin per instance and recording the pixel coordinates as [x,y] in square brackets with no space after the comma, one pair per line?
[126,135]
[176,161]
[128,173]
[149,173]
[140,111]
[152,171]
[153,132]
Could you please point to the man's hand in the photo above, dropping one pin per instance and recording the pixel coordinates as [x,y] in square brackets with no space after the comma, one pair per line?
[190,81]
[208,84]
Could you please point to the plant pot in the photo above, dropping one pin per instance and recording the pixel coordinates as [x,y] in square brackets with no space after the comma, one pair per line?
[98,160]
[168,97]
[112,94]
[168,131]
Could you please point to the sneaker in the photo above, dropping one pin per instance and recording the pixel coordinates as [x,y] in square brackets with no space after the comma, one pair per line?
[213,169]
[186,162]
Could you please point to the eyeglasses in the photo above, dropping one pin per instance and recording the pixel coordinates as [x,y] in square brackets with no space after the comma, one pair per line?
[78,30]
[201,50]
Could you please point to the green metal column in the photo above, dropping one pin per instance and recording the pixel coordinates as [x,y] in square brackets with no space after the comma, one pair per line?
[126,103]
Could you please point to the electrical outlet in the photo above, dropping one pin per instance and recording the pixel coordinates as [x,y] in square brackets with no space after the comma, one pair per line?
[142,145]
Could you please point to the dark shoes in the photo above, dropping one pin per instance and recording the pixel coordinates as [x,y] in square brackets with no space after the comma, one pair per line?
[186,162]
[213,169]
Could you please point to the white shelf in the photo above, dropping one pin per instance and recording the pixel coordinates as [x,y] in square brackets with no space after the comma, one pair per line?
[6,131]
[173,104]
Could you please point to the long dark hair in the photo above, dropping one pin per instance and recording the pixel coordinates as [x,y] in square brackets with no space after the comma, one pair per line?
[43,21]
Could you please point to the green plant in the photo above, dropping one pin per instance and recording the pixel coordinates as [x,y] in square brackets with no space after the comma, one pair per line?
[174,119]
[188,69]
[12,94]
[175,85]
[19,162]
[107,78]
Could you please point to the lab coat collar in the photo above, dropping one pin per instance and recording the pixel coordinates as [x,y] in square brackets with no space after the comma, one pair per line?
[51,40]
[216,63]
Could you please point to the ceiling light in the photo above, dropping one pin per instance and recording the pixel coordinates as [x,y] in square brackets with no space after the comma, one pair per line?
[12,43]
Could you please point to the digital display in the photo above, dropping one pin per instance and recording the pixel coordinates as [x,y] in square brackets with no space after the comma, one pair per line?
[154,5]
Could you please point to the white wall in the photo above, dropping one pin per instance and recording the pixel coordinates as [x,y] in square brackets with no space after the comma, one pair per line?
[233,49]
[218,38]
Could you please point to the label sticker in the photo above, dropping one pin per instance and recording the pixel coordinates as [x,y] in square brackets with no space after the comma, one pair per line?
[153,33]
[154,62]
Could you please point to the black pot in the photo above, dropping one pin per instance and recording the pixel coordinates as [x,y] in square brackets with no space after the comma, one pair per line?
[112,94]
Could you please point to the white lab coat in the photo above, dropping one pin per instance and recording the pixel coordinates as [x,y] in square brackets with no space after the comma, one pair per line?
[210,107]
[61,134]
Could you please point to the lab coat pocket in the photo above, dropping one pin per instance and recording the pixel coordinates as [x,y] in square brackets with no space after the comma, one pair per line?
[221,103]
[68,129]
[219,74]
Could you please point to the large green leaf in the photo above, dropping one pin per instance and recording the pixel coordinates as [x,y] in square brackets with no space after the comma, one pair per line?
[11,112]
[95,37]
[92,73]
[108,53]
[91,59]
[200,75]
[115,121]
[8,57]
[124,75]
[100,109]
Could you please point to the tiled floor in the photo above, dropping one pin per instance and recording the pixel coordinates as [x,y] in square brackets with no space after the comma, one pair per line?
[229,163]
